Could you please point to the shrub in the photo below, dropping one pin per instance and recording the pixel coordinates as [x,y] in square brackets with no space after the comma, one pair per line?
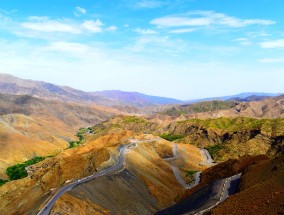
[191,173]
[171,137]
[213,149]
[2,181]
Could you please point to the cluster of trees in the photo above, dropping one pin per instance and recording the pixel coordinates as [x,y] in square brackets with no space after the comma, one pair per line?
[18,171]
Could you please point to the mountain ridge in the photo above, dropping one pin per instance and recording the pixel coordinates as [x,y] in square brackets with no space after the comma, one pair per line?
[10,84]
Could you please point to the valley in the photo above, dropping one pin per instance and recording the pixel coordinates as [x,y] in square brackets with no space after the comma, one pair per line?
[92,159]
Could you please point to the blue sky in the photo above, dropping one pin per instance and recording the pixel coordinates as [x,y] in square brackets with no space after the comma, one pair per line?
[176,48]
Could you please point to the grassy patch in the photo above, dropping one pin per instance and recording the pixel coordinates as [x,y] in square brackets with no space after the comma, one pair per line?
[133,119]
[18,171]
[213,149]
[171,137]
[190,173]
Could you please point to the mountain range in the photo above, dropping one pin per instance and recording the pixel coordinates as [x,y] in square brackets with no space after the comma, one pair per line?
[39,89]
[115,152]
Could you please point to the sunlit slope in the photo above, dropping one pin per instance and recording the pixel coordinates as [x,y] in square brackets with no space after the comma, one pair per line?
[144,163]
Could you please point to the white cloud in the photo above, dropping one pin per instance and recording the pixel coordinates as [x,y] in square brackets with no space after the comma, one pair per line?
[273,44]
[272,60]
[182,30]
[206,18]
[79,11]
[46,25]
[145,31]
[93,26]
[36,25]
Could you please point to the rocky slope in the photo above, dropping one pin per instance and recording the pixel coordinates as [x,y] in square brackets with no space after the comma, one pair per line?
[145,171]
[224,137]
[267,108]
[35,127]
[261,190]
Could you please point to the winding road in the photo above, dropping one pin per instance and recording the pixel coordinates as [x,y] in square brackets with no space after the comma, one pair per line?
[197,175]
[225,193]
[46,209]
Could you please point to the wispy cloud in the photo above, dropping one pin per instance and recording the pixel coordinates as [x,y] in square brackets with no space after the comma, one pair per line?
[272,60]
[111,28]
[66,47]
[182,30]
[46,25]
[152,43]
[207,18]
[36,26]
[145,31]
[243,41]
[79,11]
[273,44]
[148,4]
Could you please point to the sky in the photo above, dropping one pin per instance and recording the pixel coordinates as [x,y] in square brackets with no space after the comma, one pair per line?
[185,49]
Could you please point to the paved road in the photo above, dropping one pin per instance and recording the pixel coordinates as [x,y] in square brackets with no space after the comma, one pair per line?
[61,191]
[229,188]
[196,176]
[119,165]
[207,155]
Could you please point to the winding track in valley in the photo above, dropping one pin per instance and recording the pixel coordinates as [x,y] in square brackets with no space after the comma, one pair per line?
[197,175]
[119,165]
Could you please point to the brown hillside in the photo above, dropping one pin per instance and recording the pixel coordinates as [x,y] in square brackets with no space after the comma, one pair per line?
[261,190]
[35,127]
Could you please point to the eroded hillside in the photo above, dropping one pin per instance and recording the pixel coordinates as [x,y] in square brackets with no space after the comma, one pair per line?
[146,176]
[224,137]
[35,127]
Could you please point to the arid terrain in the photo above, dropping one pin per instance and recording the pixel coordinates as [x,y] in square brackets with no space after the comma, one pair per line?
[55,139]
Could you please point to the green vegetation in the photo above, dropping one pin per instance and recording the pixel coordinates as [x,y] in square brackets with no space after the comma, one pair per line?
[80,134]
[18,171]
[200,107]
[133,119]
[171,137]
[234,124]
[213,149]
[2,181]
[190,173]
